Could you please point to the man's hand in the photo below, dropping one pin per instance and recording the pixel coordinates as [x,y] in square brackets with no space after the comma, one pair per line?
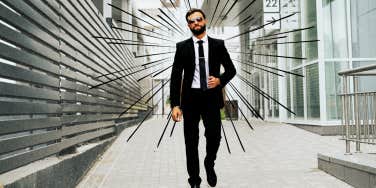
[176,114]
[213,82]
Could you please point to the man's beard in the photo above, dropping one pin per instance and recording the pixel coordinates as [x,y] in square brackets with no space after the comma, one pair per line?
[200,31]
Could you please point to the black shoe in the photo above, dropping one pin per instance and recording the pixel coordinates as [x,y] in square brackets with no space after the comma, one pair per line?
[195,186]
[211,177]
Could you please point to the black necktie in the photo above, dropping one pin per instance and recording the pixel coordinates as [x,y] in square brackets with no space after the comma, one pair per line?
[201,60]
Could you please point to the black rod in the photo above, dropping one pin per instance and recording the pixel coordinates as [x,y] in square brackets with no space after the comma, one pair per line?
[241,111]
[155,72]
[262,70]
[137,56]
[221,12]
[172,130]
[170,19]
[294,42]
[288,72]
[161,71]
[141,28]
[157,91]
[133,44]
[245,19]
[141,33]
[244,9]
[171,4]
[291,31]
[288,57]
[260,27]
[164,130]
[169,114]
[245,101]
[143,12]
[132,67]
[224,134]
[215,11]
[233,126]
[173,27]
[249,83]
[109,38]
[139,125]
[232,6]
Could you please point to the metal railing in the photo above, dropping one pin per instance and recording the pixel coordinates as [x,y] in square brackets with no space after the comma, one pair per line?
[358,108]
[49,60]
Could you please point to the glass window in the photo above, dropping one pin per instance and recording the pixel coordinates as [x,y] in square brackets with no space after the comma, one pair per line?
[310,34]
[288,85]
[333,88]
[313,91]
[366,83]
[363,28]
[296,49]
[298,96]
[335,33]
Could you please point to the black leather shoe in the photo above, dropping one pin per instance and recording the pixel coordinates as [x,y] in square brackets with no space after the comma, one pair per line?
[211,177]
[195,186]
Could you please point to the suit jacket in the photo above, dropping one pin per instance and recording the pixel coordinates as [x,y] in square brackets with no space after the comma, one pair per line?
[185,61]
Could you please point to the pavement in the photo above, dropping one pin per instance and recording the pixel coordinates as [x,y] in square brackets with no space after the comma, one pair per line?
[276,155]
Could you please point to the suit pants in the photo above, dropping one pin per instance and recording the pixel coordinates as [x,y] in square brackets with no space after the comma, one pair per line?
[201,104]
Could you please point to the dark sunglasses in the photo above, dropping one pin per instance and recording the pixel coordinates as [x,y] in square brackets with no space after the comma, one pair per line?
[193,20]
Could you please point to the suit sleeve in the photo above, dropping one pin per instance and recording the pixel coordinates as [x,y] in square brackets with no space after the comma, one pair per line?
[176,76]
[227,64]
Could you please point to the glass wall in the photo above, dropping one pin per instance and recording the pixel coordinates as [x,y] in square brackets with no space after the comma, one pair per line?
[310,34]
[298,97]
[333,88]
[363,28]
[335,32]
[313,94]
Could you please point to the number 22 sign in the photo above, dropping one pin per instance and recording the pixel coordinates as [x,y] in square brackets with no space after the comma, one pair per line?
[271,5]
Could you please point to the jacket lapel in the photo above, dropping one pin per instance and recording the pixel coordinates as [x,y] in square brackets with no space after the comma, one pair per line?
[191,51]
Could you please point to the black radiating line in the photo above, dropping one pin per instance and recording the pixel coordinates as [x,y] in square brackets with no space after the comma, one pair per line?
[294,42]
[256,88]
[141,33]
[189,3]
[249,83]
[177,20]
[215,11]
[141,28]
[244,20]
[263,70]
[161,71]
[157,91]
[172,130]
[164,130]
[233,126]
[288,72]
[171,4]
[169,114]
[243,10]
[247,104]
[137,56]
[143,12]
[232,6]
[215,23]
[133,44]
[148,75]
[288,57]
[241,111]
[224,134]
[291,31]
[131,15]
[260,27]
[139,125]
[170,19]
[117,78]
[273,38]
[118,39]
[245,101]
[132,67]
[173,27]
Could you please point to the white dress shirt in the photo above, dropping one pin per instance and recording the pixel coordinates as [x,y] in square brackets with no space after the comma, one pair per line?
[196,75]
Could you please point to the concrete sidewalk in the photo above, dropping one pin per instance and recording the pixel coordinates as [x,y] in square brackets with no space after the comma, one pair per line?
[277,155]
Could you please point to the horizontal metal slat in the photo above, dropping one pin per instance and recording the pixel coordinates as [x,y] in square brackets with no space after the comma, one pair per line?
[71,108]
[24,41]
[69,130]
[17,143]
[87,136]
[27,59]
[21,74]
[14,90]
[19,108]
[14,126]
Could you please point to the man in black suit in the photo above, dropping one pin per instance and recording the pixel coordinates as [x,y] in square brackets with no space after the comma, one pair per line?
[199,93]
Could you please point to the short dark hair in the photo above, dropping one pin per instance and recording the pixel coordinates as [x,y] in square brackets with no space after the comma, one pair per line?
[193,11]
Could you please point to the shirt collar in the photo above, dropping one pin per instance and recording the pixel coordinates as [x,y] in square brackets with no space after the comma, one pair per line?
[195,39]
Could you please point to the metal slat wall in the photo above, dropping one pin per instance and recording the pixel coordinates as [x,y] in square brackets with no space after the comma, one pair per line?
[48,62]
